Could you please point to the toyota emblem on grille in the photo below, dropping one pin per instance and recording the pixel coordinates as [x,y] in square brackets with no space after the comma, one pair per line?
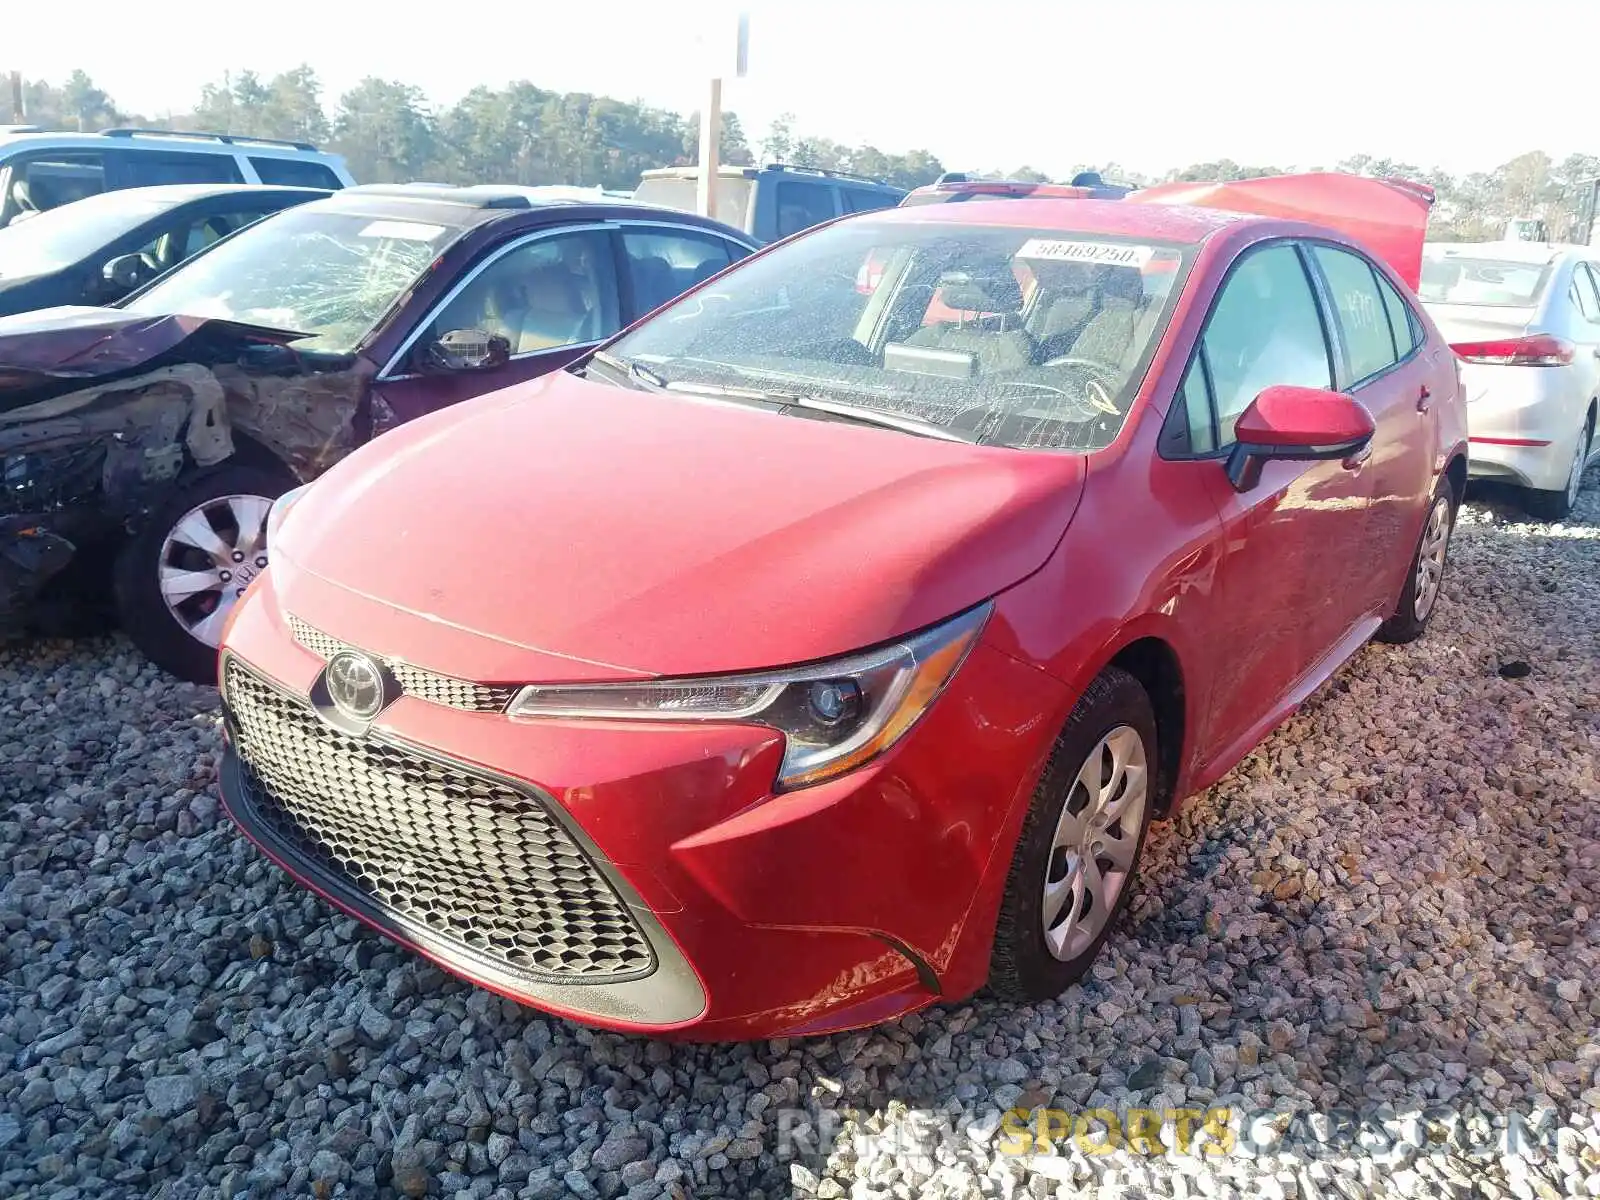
[355,685]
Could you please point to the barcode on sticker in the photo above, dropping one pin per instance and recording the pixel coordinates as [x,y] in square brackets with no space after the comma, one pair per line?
[1104,253]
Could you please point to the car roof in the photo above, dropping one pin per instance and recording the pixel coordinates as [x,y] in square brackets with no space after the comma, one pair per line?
[468,207]
[1187,224]
[188,141]
[183,193]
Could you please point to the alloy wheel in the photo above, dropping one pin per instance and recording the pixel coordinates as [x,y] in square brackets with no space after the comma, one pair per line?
[208,559]
[1430,557]
[1095,844]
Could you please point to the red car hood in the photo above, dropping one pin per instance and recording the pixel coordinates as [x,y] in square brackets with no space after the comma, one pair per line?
[614,533]
[1389,216]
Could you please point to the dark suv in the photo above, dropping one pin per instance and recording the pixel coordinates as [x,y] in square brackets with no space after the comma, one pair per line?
[773,201]
[266,358]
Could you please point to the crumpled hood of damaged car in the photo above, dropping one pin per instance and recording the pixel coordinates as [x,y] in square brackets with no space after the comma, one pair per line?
[56,350]
[612,532]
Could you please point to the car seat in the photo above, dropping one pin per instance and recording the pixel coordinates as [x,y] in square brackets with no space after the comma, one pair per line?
[984,290]
[1109,336]
[654,283]
[546,311]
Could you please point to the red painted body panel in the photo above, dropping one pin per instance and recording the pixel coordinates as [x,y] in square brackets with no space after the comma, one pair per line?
[1302,416]
[566,531]
[1389,217]
[667,536]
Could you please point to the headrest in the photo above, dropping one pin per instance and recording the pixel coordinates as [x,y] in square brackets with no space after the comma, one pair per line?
[989,291]
[1122,283]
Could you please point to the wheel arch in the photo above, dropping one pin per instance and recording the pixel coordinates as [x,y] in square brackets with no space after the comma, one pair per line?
[1456,472]
[1154,662]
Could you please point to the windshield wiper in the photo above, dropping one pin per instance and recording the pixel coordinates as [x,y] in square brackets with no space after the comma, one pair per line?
[848,412]
[630,371]
[873,416]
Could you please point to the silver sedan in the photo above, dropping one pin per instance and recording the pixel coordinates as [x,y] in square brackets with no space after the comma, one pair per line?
[1524,321]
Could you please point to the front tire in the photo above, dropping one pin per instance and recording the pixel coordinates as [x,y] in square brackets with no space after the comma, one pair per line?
[177,579]
[1425,577]
[1558,505]
[1073,869]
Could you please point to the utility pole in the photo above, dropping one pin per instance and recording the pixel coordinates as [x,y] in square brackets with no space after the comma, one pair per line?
[19,111]
[711,111]
[710,148]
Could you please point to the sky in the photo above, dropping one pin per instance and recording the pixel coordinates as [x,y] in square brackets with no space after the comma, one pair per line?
[1149,84]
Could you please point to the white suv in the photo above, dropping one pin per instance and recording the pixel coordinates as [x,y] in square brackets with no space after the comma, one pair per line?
[41,170]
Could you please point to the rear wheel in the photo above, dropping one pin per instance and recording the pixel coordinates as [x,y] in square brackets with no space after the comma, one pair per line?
[1073,869]
[1425,579]
[1558,505]
[178,579]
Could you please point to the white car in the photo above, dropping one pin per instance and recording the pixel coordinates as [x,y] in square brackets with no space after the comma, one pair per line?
[41,170]
[1524,321]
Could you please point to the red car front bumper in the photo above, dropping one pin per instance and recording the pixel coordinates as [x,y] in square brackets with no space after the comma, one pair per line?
[641,877]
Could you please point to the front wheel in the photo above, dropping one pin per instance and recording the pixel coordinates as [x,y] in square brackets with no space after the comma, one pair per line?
[1426,575]
[1073,869]
[178,578]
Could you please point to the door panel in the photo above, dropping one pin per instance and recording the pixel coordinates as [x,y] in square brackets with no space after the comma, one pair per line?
[1291,542]
[1380,368]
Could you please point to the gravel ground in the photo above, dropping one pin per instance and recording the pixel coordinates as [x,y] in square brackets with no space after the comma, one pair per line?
[1392,903]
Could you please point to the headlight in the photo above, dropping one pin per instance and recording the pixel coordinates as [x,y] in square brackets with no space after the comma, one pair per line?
[834,716]
[279,508]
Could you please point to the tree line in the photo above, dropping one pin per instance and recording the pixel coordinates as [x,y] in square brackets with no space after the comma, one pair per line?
[524,134]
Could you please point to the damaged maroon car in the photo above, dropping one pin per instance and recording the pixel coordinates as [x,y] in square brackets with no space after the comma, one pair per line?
[141,446]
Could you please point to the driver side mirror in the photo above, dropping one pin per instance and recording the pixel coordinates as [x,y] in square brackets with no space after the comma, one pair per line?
[126,272]
[469,350]
[1297,424]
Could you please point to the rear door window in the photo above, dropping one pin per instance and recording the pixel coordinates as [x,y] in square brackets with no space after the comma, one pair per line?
[1585,293]
[295,172]
[1359,308]
[1402,321]
[664,263]
[860,200]
[49,180]
[802,205]
[146,169]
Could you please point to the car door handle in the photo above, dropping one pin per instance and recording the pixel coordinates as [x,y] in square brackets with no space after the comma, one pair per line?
[1424,399]
[1359,459]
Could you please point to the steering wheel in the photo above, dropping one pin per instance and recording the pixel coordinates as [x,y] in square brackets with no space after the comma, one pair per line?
[1098,386]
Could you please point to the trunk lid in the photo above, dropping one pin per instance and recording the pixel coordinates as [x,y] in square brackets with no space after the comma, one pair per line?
[1388,216]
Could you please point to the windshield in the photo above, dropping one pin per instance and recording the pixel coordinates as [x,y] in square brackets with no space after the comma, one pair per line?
[1018,337]
[1449,277]
[60,237]
[331,275]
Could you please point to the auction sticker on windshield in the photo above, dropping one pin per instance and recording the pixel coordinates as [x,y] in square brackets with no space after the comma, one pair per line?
[1105,253]
[405,231]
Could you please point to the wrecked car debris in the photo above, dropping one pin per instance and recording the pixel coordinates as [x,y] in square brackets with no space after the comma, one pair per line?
[141,452]
[102,414]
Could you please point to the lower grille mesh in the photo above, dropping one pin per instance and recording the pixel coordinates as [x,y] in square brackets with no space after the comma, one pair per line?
[471,859]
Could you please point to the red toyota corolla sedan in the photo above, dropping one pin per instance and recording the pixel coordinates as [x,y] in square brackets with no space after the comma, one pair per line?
[808,654]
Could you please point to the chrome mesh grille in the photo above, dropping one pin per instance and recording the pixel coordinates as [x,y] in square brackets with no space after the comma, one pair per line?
[473,860]
[424,685]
